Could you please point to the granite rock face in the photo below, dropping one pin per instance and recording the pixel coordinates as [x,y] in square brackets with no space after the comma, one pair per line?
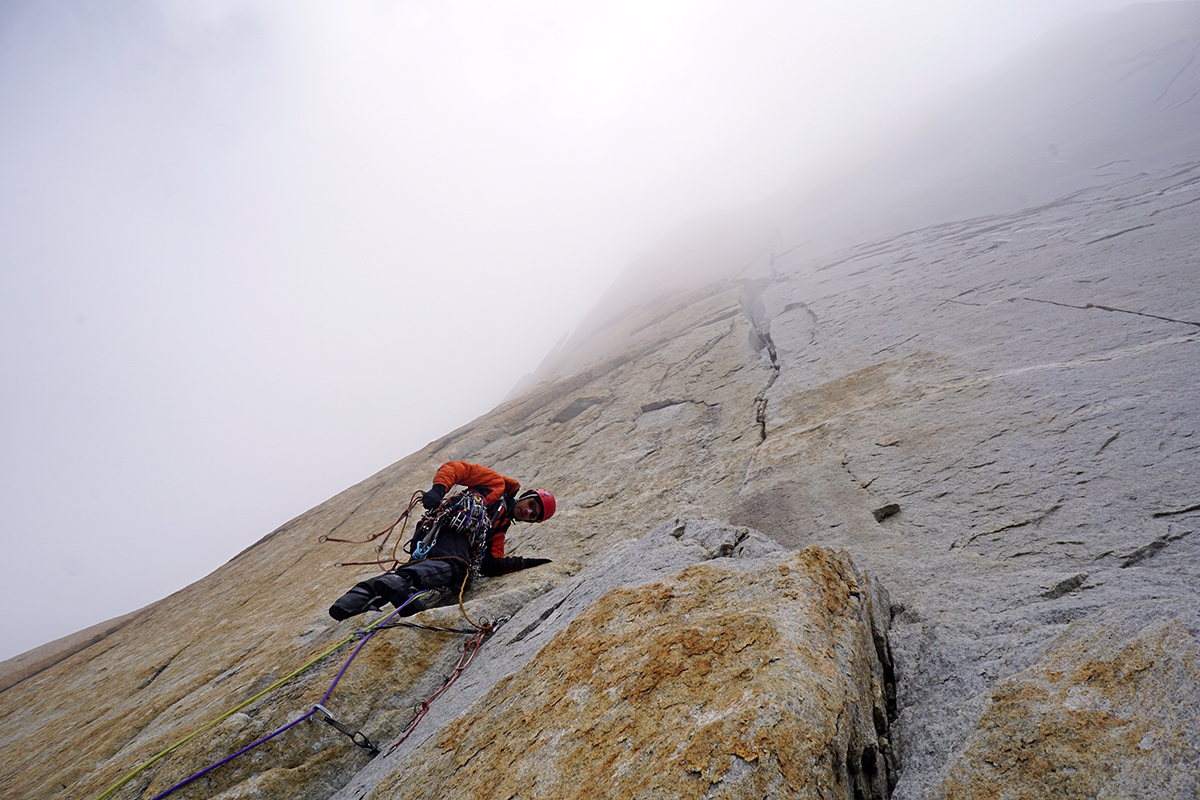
[803,631]
[1035,431]
[1107,712]
[989,412]
[760,679]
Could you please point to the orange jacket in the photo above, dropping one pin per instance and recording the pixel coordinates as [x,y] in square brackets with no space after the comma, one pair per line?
[493,486]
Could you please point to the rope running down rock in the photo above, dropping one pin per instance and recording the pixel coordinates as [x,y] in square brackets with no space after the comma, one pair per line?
[364,634]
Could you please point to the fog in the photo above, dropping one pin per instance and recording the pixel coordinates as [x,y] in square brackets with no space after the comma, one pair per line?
[253,252]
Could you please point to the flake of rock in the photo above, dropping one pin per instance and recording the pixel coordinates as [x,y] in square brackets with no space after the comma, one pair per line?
[718,681]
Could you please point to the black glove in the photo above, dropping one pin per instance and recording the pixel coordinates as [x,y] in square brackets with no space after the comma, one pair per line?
[433,498]
[501,566]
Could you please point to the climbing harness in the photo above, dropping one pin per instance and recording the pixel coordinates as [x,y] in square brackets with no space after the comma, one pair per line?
[464,514]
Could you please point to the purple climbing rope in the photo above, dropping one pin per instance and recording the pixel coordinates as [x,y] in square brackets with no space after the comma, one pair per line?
[231,757]
[375,629]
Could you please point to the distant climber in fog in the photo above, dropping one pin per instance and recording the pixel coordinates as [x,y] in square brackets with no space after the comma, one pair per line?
[459,537]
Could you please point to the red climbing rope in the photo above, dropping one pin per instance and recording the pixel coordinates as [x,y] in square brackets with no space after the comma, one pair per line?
[470,648]
[391,561]
[366,636]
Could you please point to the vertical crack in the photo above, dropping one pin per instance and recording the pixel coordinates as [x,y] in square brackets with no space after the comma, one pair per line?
[760,340]
[760,400]
[754,310]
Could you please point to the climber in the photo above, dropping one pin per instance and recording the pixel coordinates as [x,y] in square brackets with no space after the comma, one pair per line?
[450,557]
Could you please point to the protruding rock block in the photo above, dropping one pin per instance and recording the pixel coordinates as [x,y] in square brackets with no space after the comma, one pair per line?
[884,511]
[759,678]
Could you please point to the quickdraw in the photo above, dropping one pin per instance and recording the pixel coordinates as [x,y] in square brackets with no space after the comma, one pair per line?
[364,636]
[358,737]
[465,513]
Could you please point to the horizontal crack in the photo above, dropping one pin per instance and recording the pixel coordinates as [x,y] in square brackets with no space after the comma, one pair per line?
[1111,308]
[1174,511]
[1065,586]
[1150,550]
[961,542]
[896,344]
[1108,355]
[1119,233]
[577,407]
[1177,205]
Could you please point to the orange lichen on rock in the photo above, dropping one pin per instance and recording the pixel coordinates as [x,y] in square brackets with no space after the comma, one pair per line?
[702,685]
[1098,717]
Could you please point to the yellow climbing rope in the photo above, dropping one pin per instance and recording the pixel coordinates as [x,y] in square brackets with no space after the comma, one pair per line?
[484,626]
[234,710]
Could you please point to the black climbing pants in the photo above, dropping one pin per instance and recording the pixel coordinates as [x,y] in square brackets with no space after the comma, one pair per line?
[397,586]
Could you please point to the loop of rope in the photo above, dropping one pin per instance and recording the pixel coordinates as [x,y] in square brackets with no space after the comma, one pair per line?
[484,624]
[386,533]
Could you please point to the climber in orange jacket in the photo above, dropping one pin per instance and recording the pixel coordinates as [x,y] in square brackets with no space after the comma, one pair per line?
[451,555]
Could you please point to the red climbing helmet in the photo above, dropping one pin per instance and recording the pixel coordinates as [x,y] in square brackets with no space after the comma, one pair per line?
[547,501]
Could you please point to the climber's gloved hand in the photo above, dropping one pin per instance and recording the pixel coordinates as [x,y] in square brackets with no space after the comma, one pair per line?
[492,566]
[433,498]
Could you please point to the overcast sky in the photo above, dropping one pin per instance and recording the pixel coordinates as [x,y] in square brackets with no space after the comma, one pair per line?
[243,244]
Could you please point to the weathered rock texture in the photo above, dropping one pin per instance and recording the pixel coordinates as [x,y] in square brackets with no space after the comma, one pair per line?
[716,682]
[991,408]
[852,656]
[1109,711]
[31,662]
